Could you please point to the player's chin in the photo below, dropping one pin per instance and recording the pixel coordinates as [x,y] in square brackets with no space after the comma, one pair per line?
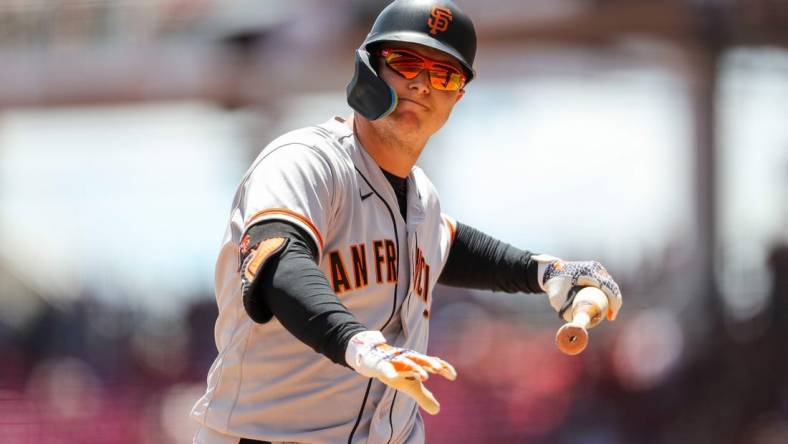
[408,120]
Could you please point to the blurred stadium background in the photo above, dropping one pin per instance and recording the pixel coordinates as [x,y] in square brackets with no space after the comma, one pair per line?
[650,135]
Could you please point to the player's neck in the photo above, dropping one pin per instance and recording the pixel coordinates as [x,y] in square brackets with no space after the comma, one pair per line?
[391,153]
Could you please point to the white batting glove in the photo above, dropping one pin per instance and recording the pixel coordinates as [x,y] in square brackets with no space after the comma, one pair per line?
[400,368]
[557,277]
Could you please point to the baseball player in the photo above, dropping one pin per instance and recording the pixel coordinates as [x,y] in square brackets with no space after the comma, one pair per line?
[334,246]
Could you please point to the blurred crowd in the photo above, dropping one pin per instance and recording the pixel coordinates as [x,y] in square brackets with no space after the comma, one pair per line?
[85,372]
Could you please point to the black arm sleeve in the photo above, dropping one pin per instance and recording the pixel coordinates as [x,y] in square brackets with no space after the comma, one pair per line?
[477,260]
[293,289]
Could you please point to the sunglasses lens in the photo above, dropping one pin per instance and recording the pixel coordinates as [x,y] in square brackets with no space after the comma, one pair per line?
[442,77]
[407,66]
[445,80]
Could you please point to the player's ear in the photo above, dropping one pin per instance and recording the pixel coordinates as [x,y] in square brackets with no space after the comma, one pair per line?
[460,93]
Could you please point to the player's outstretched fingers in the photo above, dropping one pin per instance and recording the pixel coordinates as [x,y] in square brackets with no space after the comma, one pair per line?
[436,365]
[447,370]
[428,363]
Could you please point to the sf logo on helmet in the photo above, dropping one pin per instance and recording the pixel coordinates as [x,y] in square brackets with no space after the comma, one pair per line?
[439,20]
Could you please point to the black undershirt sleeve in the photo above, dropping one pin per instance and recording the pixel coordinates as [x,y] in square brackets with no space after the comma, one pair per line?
[292,288]
[479,261]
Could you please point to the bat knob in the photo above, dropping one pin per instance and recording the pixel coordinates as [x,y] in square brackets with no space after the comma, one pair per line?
[571,339]
[587,308]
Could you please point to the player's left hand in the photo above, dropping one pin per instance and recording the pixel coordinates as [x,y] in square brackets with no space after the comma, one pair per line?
[400,368]
[557,277]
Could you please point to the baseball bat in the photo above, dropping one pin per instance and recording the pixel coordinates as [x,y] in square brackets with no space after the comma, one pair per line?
[588,309]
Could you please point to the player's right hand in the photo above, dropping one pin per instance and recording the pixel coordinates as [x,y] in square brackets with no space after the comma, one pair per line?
[400,368]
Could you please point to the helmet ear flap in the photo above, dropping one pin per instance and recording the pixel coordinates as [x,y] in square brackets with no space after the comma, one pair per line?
[367,93]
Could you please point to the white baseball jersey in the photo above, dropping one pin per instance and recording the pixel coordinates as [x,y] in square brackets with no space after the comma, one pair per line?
[265,384]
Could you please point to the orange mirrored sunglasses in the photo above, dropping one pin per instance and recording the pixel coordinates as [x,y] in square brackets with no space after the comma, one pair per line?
[408,64]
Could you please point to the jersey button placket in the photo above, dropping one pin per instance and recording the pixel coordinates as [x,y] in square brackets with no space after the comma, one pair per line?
[405,310]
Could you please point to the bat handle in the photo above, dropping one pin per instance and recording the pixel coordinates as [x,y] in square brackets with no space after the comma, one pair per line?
[587,309]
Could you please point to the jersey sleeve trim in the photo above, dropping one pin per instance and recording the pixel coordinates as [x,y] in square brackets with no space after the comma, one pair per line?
[452,224]
[290,216]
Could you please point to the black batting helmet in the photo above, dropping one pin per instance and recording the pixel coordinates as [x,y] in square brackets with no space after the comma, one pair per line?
[438,24]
